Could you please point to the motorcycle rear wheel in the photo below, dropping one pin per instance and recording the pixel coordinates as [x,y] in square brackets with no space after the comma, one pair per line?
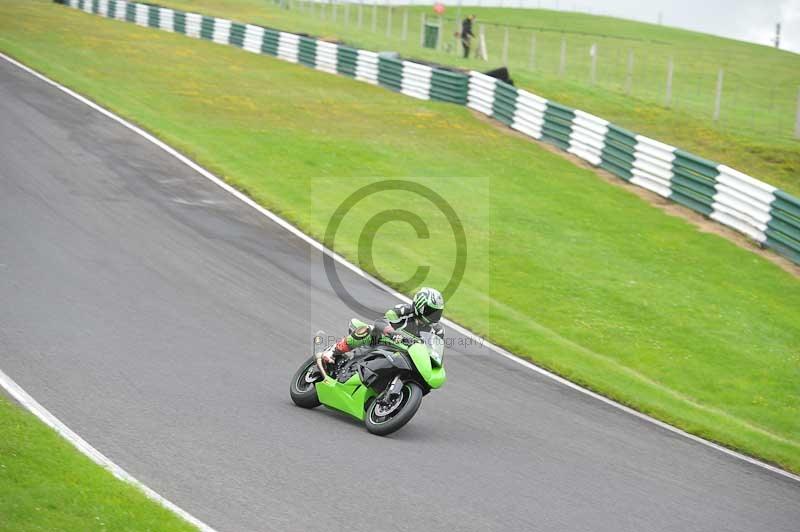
[383,425]
[303,392]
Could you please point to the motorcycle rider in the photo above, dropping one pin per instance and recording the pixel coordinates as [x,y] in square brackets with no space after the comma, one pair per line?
[421,315]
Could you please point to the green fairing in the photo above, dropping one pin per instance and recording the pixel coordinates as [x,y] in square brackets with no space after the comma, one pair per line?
[434,377]
[422,360]
[350,397]
[438,377]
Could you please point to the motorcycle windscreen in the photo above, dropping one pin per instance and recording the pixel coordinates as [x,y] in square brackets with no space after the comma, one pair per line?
[435,345]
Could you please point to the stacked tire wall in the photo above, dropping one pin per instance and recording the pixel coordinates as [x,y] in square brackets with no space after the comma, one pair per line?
[764,213]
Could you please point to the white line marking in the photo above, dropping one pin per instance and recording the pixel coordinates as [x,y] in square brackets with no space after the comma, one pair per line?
[49,419]
[313,243]
[96,456]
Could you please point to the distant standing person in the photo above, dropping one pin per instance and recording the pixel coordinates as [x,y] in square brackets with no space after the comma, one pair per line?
[466,34]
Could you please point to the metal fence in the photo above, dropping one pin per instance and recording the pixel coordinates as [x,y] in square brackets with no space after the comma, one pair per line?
[651,71]
[700,83]
[766,214]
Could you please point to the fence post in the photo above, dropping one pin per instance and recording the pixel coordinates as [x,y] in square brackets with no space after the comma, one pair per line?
[422,32]
[532,61]
[457,35]
[629,75]
[457,46]
[593,71]
[346,14]
[333,12]
[505,47]
[562,65]
[718,98]
[670,70]
[389,20]
[374,17]
[481,49]
[404,33]
[439,35]
[360,13]
[797,119]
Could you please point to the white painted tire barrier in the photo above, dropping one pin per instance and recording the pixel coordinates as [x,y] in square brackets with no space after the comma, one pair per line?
[768,215]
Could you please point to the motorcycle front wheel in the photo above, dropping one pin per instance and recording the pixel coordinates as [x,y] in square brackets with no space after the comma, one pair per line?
[302,389]
[382,420]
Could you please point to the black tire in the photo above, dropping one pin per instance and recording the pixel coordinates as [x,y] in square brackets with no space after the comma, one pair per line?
[412,398]
[304,393]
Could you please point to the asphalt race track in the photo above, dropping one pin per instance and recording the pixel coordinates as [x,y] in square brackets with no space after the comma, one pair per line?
[161,319]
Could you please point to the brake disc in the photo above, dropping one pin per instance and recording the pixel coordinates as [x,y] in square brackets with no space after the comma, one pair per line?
[382,410]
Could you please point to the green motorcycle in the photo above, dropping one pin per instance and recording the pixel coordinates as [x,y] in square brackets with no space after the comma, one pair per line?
[381,385]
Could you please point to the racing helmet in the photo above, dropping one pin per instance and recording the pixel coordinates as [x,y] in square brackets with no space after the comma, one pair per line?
[428,305]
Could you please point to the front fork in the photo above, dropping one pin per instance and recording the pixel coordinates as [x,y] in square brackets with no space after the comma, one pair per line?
[392,391]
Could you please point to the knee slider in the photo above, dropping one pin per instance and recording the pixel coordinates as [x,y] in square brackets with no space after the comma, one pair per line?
[361,332]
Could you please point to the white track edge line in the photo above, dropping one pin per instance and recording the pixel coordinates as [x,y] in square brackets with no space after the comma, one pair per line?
[317,245]
[96,456]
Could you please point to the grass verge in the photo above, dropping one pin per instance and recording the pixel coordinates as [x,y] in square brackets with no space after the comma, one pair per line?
[582,277]
[46,484]
[758,106]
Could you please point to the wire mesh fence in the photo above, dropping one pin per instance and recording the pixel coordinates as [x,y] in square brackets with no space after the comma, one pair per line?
[697,82]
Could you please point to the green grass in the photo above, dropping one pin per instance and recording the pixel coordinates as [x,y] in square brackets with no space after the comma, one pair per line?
[583,277]
[46,485]
[758,108]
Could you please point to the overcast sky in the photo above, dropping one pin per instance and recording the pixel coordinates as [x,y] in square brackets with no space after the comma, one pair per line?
[749,20]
